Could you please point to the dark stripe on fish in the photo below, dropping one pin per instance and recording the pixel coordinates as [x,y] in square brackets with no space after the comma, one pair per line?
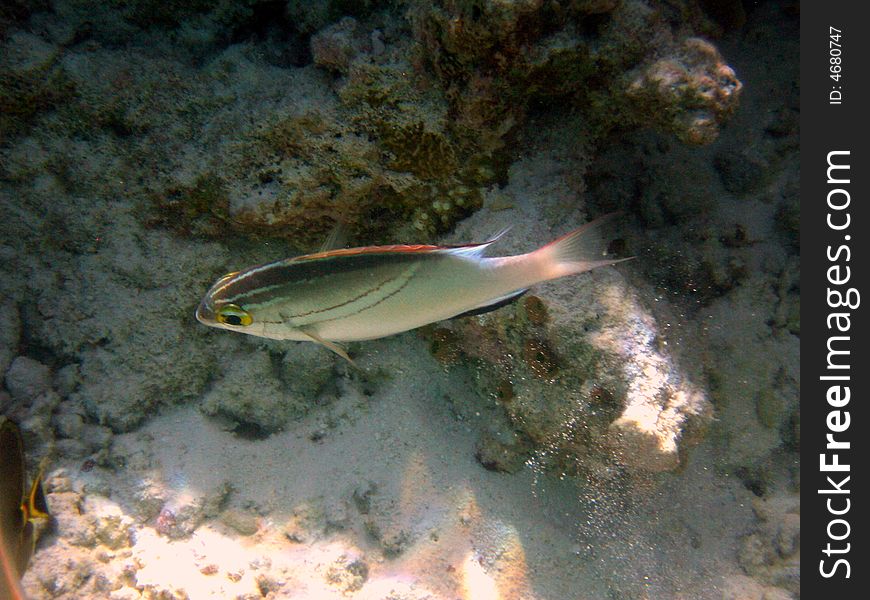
[350,301]
[247,289]
[370,306]
[481,310]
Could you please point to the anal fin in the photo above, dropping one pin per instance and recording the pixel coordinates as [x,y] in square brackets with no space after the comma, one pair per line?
[493,305]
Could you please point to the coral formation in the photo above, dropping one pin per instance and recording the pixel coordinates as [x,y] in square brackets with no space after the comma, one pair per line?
[621,63]
[146,150]
[199,209]
[414,129]
[616,398]
[579,371]
[335,46]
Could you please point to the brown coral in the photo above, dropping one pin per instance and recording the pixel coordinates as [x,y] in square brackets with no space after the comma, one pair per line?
[405,144]
[695,89]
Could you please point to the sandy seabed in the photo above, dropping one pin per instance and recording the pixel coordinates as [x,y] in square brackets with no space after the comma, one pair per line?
[368,483]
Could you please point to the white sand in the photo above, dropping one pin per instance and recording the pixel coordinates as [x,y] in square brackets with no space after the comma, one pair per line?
[461,531]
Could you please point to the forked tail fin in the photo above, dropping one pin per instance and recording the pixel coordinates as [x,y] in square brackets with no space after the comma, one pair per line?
[580,250]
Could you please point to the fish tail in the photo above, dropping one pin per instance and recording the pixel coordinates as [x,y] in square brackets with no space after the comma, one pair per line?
[580,250]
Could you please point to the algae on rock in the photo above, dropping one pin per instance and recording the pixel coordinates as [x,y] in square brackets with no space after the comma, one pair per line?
[415,130]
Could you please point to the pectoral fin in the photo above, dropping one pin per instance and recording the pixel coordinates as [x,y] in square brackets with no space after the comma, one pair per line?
[331,345]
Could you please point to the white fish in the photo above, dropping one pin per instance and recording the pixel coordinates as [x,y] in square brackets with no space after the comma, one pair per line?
[375,291]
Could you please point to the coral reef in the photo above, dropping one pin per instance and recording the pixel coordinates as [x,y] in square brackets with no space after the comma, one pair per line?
[622,63]
[376,156]
[146,150]
[413,129]
[579,371]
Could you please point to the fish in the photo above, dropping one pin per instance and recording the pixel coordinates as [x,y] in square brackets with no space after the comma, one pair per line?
[18,513]
[354,294]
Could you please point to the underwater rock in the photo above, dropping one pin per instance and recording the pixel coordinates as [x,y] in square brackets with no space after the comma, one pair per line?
[241,521]
[68,425]
[334,47]
[756,394]
[27,378]
[253,399]
[78,529]
[316,518]
[148,497]
[67,379]
[740,172]
[771,553]
[10,334]
[349,573]
[105,372]
[307,371]
[617,397]
[35,418]
[97,437]
[71,448]
[393,540]
[114,531]
[306,524]
[496,455]
[183,513]
[379,512]
[134,338]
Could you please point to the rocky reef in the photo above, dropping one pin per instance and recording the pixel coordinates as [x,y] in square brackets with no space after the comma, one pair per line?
[147,147]
[421,119]
[393,122]
[580,377]
[390,122]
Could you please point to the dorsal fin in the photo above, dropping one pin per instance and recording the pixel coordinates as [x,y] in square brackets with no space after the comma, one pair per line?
[467,250]
[475,250]
[336,239]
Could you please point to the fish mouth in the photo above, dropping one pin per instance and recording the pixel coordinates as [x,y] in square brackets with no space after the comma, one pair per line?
[205,313]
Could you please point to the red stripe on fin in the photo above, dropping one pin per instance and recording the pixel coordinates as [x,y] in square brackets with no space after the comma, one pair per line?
[394,249]
[404,248]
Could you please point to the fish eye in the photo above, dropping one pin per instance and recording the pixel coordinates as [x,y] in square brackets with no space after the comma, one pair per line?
[232,314]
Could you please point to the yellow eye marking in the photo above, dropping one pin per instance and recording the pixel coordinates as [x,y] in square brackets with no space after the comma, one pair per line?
[232,314]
